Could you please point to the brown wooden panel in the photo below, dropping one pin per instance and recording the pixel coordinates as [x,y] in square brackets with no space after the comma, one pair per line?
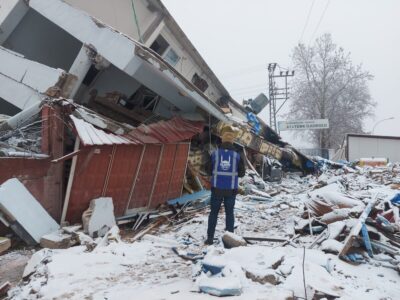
[164,175]
[123,171]
[146,176]
[178,174]
[89,179]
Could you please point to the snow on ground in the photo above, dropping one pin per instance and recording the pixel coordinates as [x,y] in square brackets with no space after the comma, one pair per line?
[149,269]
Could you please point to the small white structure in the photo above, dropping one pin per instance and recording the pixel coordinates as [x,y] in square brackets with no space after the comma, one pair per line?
[363,145]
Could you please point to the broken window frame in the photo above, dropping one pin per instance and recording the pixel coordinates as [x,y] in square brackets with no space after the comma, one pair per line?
[160,40]
[168,58]
[199,82]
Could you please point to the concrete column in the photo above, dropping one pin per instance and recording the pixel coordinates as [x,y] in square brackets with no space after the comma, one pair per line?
[80,67]
[11,13]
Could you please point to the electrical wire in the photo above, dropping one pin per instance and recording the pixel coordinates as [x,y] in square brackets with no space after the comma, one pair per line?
[136,21]
[304,273]
[248,87]
[320,21]
[307,20]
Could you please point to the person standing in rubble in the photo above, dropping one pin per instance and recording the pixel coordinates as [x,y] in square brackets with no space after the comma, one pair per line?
[225,166]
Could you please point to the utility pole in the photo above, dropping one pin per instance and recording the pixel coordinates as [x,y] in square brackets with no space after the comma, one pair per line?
[276,93]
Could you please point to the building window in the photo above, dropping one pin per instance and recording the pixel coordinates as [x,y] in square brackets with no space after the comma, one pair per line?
[199,82]
[159,45]
[171,57]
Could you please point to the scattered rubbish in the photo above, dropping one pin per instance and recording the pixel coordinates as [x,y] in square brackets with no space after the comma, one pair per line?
[348,243]
[203,195]
[331,246]
[192,257]
[263,276]
[5,244]
[23,213]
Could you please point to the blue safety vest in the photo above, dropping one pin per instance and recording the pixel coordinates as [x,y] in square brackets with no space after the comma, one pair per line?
[225,169]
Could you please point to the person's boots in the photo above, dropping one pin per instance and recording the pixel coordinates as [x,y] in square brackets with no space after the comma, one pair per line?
[209,241]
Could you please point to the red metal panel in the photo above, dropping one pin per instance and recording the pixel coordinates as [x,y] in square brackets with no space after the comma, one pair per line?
[147,174]
[164,175]
[89,180]
[171,131]
[38,178]
[123,170]
[178,174]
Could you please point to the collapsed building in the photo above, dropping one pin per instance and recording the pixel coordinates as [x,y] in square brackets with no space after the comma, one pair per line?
[96,113]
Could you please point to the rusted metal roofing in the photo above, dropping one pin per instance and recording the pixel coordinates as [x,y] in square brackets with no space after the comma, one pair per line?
[162,132]
[90,135]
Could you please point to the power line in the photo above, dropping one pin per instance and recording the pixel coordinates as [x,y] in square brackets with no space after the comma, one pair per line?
[320,21]
[307,20]
[260,89]
[248,87]
[136,21]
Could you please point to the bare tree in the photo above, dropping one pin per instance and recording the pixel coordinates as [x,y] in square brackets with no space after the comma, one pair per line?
[328,86]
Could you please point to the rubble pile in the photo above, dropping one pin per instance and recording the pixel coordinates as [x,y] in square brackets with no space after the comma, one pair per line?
[331,236]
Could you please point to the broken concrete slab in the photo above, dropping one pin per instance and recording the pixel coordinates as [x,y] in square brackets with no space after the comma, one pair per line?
[35,261]
[220,286]
[5,244]
[232,240]
[99,218]
[26,217]
[71,229]
[263,276]
[56,240]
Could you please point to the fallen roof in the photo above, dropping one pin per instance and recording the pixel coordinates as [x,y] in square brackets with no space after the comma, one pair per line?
[163,132]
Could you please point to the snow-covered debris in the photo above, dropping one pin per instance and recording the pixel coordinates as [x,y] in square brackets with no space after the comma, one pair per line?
[149,268]
[99,217]
[232,240]
[18,204]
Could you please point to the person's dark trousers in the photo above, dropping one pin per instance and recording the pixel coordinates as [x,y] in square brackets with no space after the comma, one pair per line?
[216,201]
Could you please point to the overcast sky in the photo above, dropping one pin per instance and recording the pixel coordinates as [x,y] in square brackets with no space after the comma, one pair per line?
[238,38]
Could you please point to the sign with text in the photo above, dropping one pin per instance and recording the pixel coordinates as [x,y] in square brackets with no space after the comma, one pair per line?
[303,124]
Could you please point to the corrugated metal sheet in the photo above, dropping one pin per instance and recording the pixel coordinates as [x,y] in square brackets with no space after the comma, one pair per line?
[147,174]
[89,180]
[123,170]
[166,132]
[91,136]
[162,132]
[160,192]
[113,166]
[178,174]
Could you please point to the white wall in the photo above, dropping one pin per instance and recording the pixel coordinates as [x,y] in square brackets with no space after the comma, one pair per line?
[39,40]
[118,14]
[361,147]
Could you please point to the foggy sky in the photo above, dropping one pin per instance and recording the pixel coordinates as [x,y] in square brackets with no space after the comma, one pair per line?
[238,38]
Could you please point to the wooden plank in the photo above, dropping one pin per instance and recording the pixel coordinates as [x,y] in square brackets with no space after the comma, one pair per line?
[348,243]
[265,239]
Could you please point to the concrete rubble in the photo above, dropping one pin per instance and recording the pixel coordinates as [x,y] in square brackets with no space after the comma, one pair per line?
[99,218]
[171,257]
